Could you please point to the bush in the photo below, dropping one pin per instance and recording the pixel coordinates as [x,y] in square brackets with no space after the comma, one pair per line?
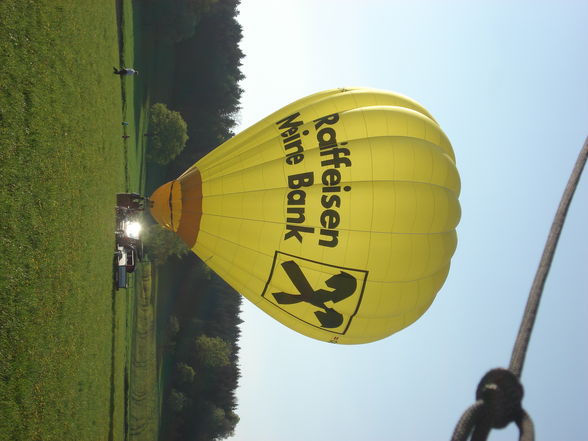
[213,351]
[168,134]
[162,244]
[185,373]
[177,400]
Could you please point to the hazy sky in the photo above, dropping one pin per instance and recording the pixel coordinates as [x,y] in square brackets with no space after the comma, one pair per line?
[508,83]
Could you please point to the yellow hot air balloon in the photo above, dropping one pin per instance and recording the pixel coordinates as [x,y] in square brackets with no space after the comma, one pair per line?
[335,215]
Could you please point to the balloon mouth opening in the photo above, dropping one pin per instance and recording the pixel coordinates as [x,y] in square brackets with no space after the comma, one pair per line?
[161,207]
[177,206]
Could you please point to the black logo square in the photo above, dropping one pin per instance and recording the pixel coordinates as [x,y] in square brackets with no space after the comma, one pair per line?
[320,294]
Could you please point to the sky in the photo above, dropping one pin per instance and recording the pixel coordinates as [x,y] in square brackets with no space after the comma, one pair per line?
[508,83]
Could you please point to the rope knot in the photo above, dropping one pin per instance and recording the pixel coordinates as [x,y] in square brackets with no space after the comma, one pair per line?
[502,393]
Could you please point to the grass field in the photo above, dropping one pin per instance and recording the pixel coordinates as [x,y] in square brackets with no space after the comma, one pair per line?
[64,331]
[144,388]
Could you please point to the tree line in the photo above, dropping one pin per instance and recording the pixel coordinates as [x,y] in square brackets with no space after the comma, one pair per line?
[206,73]
[200,347]
[201,351]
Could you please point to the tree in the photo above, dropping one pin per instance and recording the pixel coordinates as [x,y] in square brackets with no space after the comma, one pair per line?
[216,422]
[213,351]
[185,373]
[162,244]
[168,133]
[230,422]
[177,400]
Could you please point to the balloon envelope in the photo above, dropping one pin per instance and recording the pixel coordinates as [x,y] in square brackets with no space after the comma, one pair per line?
[336,215]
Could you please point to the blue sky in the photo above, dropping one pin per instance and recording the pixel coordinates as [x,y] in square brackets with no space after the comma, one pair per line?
[508,83]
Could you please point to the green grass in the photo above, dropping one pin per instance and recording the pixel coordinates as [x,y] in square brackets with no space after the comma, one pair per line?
[63,329]
[144,387]
[143,392]
[136,98]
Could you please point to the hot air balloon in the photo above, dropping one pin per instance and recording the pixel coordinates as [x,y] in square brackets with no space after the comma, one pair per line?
[335,215]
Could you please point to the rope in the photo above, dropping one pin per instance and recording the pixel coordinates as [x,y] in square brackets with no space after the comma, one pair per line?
[500,393]
[522,342]
[467,422]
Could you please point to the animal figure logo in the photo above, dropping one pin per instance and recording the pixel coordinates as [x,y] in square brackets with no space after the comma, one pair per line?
[343,285]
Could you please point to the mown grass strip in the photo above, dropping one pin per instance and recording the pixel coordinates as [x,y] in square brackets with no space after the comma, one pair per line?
[144,387]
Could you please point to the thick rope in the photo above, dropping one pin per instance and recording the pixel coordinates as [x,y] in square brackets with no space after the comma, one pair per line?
[467,422]
[522,342]
[500,393]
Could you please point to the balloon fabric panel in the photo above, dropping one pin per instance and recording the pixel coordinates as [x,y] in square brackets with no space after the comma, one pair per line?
[336,215]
